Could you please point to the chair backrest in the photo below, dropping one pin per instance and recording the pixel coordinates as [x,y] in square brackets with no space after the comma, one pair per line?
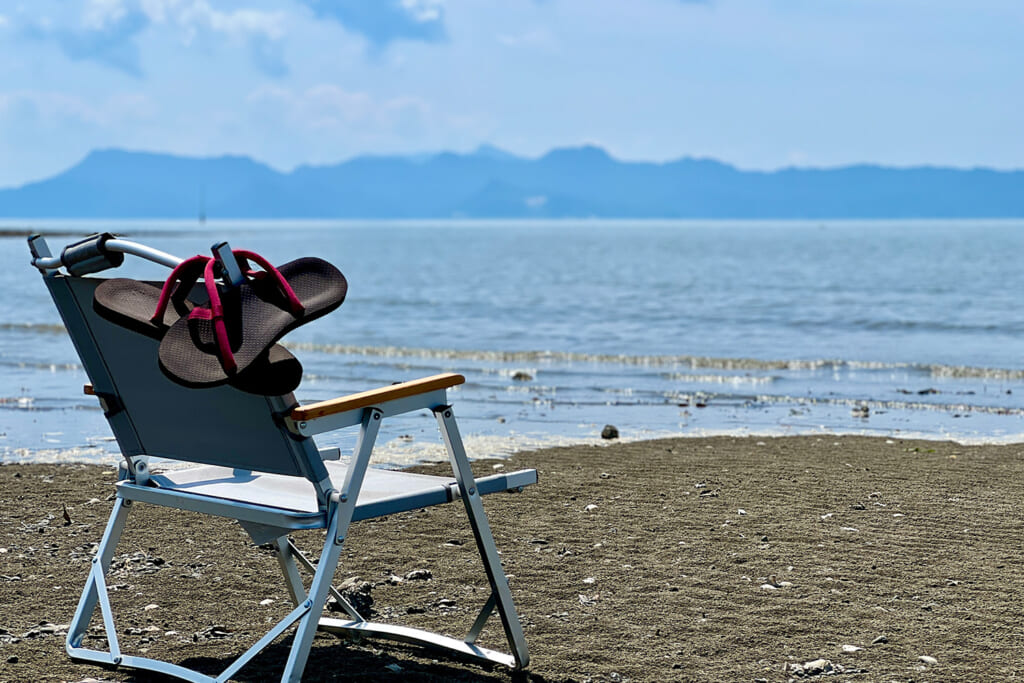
[151,415]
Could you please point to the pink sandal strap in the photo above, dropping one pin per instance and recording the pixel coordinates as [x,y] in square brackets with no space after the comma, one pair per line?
[282,284]
[186,271]
[215,313]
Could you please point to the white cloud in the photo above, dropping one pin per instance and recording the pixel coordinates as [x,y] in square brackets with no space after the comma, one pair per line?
[423,11]
[192,16]
[4,21]
[326,107]
[52,107]
[48,106]
[325,123]
[239,23]
[100,14]
[535,38]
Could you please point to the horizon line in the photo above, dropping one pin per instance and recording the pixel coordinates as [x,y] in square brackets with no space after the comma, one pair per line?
[513,156]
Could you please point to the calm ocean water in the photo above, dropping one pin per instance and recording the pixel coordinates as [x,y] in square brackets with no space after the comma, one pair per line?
[660,328]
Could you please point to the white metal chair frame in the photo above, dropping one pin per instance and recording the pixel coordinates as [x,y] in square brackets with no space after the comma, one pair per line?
[338,506]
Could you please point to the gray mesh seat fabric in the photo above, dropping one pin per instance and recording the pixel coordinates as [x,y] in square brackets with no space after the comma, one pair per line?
[254,459]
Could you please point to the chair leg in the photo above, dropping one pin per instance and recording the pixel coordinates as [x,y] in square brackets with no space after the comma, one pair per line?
[95,591]
[343,505]
[286,559]
[315,602]
[500,592]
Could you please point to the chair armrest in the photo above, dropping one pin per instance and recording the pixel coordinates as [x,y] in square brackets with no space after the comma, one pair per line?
[374,397]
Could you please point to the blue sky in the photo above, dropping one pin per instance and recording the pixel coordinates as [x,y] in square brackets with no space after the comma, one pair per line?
[758,83]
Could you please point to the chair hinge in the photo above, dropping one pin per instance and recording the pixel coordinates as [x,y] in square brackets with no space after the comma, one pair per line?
[111,403]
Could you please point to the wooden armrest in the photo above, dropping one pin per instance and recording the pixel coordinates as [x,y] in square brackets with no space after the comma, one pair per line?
[365,399]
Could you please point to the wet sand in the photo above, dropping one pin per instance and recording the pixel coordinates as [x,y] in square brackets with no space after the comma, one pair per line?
[713,559]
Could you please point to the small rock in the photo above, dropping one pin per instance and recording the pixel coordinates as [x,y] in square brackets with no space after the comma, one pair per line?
[817,667]
[357,593]
[522,376]
[150,607]
[764,539]
[419,575]
[415,609]
[775,584]
[211,633]
[393,667]
[850,649]
[741,512]
[265,603]
[610,432]
[930,661]
[13,659]
[880,640]
[590,508]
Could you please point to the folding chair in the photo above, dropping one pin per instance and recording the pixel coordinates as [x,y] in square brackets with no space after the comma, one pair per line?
[258,463]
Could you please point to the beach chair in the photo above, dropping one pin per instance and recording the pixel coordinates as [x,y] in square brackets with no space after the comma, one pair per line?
[255,460]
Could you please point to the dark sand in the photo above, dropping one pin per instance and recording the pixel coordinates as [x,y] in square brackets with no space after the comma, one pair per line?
[919,542]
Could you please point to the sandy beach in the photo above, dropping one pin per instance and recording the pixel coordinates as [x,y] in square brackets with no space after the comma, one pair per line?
[714,559]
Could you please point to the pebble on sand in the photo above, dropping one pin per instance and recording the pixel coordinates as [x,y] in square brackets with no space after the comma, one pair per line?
[930,661]
[817,667]
[610,432]
[775,584]
[419,575]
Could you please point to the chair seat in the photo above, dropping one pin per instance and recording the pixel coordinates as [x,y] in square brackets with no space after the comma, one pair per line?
[383,491]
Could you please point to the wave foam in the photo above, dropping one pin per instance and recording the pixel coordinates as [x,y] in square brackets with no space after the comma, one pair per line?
[532,358]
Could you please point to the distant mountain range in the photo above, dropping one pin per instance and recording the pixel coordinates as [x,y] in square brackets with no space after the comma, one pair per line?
[491,183]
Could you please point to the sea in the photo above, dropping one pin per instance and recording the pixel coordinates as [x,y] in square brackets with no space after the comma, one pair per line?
[899,329]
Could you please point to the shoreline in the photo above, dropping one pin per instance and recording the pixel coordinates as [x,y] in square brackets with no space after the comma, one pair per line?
[499,448]
[859,540]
